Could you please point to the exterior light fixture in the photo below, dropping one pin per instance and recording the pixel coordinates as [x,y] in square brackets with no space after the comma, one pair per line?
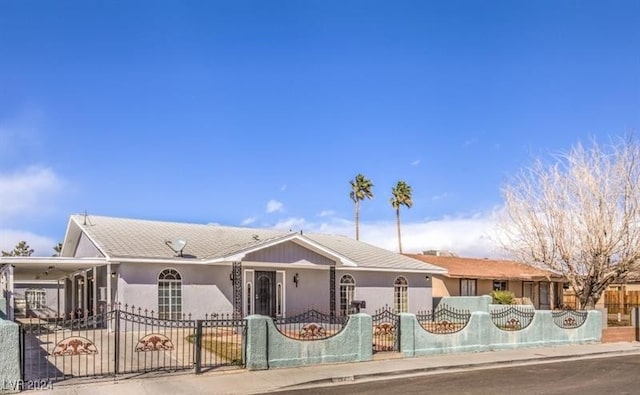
[113,274]
[296,279]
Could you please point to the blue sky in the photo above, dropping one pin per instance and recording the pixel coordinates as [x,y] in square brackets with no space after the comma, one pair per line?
[259,113]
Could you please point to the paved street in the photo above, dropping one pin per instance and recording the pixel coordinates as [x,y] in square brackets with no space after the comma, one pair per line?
[611,375]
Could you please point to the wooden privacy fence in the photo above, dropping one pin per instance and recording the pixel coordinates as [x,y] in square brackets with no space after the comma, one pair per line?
[617,301]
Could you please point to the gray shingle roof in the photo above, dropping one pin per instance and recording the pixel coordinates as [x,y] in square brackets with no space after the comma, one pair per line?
[134,238]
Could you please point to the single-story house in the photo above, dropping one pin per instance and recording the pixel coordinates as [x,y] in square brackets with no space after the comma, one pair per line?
[179,268]
[475,276]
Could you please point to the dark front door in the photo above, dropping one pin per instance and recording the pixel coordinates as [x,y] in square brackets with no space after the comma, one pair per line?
[265,293]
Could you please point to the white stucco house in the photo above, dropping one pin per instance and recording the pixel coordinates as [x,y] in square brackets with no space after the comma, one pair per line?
[179,268]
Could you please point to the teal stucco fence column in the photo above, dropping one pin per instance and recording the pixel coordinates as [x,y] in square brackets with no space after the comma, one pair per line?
[9,356]
[257,342]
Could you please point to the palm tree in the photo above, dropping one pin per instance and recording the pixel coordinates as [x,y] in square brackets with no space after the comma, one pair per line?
[400,196]
[360,189]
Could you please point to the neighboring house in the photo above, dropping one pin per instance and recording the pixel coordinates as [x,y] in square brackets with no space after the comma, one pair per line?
[474,277]
[176,268]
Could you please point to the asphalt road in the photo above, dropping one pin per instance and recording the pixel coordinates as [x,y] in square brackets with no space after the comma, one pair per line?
[612,375]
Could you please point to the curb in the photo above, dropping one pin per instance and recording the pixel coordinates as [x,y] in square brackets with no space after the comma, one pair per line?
[398,373]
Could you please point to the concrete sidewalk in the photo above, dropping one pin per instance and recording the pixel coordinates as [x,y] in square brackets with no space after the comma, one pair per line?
[254,382]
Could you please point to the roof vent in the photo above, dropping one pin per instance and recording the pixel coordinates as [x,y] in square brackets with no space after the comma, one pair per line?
[176,245]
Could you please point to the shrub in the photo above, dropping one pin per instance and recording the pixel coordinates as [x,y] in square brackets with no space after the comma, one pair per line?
[502,297]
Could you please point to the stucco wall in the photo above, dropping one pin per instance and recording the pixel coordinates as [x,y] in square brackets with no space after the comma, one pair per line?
[205,289]
[9,357]
[481,334]
[376,288]
[268,348]
[312,290]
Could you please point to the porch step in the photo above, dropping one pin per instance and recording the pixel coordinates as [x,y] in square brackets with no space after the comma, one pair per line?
[618,334]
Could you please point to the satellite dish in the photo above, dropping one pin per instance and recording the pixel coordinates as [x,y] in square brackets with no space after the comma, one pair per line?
[177,245]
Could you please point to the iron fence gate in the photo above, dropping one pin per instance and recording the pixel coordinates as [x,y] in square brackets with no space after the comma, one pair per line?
[386,330]
[127,340]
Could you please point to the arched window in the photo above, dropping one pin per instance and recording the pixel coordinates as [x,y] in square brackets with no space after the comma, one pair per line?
[347,293]
[400,295]
[170,295]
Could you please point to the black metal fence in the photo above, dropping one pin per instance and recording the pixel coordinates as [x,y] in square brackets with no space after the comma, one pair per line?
[386,330]
[443,320]
[310,325]
[512,318]
[127,340]
[569,319]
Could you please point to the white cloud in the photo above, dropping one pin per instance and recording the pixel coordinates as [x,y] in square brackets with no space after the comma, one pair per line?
[274,206]
[415,162]
[326,213]
[42,245]
[28,192]
[292,224]
[248,221]
[469,235]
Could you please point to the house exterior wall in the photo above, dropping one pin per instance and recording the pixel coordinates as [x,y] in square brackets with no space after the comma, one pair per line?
[377,289]
[86,249]
[312,290]
[205,289]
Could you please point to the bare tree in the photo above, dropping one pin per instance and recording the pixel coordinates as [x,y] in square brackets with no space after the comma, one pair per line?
[579,216]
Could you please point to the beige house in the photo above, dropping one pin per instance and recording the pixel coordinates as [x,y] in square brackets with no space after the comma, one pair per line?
[474,277]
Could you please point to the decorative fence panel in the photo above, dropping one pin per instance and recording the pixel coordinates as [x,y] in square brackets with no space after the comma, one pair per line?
[569,319]
[386,330]
[512,318]
[443,320]
[127,340]
[311,325]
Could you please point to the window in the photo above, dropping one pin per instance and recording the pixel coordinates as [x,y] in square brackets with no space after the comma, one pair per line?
[499,285]
[347,293]
[400,295]
[467,287]
[170,295]
[279,300]
[249,299]
[36,298]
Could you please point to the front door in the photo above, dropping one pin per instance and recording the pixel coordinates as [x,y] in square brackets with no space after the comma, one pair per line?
[265,293]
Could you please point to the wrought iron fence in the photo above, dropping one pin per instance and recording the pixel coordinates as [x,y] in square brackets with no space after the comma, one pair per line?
[219,341]
[512,318]
[146,343]
[310,325]
[569,319]
[386,330]
[443,319]
[126,340]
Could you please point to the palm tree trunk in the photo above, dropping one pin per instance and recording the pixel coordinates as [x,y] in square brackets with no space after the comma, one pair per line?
[357,215]
[398,223]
